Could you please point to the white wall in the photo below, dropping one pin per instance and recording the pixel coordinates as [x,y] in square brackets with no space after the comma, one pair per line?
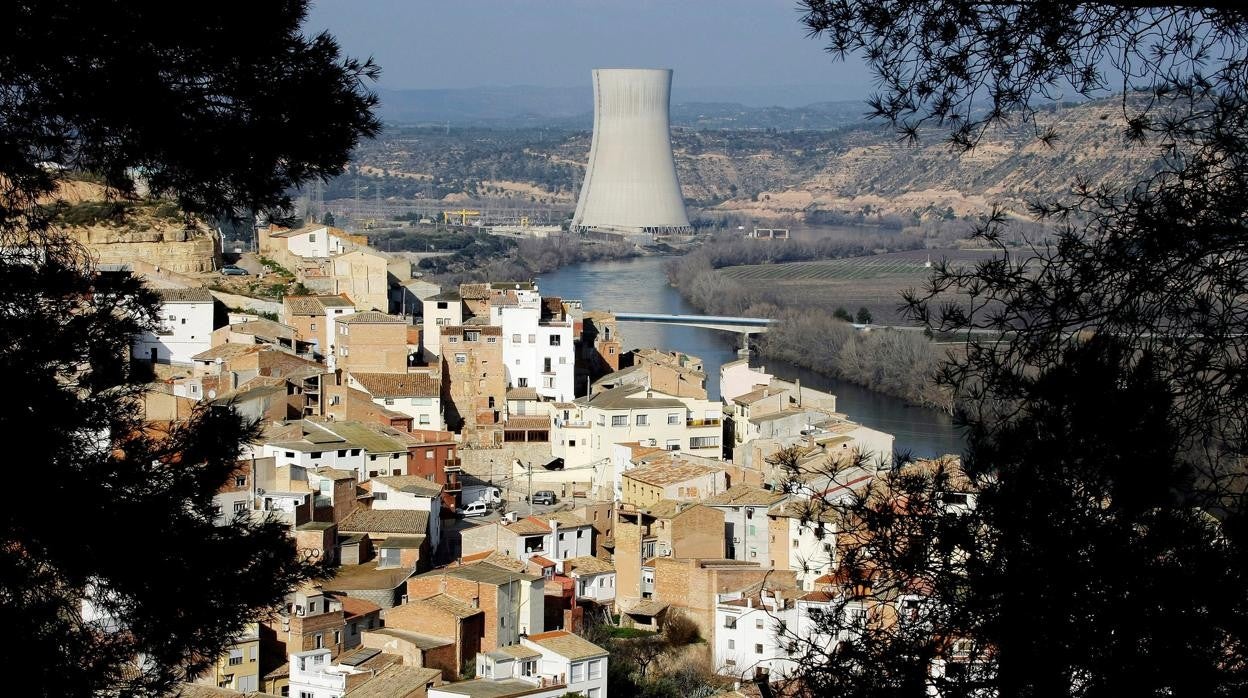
[599,587]
[552,664]
[183,330]
[317,242]
[398,499]
[737,378]
[438,313]
[566,542]
[426,412]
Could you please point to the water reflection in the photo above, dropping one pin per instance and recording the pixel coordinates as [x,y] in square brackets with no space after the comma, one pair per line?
[640,285]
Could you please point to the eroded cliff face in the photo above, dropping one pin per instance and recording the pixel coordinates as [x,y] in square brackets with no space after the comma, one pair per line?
[125,231]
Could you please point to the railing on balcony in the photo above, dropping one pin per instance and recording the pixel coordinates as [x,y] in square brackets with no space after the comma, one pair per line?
[453,485]
[452,464]
[714,422]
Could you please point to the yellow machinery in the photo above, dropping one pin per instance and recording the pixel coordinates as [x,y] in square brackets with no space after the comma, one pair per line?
[463,214]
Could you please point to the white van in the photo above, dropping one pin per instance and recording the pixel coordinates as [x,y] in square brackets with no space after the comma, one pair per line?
[477,508]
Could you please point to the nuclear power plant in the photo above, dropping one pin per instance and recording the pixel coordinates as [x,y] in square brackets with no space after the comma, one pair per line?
[630,182]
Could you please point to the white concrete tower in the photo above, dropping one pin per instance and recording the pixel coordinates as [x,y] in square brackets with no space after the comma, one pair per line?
[630,183]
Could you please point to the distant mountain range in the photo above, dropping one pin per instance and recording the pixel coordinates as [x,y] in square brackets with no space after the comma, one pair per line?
[572,108]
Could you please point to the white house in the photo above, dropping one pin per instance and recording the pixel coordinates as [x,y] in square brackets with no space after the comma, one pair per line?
[537,344]
[314,674]
[587,432]
[582,663]
[183,329]
[411,492]
[746,527]
[594,578]
[320,241]
[417,395]
[809,536]
[767,631]
[444,309]
[546,665]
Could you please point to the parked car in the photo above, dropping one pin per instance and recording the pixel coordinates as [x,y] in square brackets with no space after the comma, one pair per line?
[544,497]
[232,270]
[475,509]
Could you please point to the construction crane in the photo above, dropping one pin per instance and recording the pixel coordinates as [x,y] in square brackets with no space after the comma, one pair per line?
[463,214]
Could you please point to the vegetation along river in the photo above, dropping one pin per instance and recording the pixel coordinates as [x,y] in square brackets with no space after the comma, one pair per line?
[640,285]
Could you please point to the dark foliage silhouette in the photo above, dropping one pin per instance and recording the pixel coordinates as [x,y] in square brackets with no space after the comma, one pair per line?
[1107,419]
[114,579]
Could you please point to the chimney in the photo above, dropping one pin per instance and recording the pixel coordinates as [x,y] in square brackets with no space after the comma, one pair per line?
[797,382]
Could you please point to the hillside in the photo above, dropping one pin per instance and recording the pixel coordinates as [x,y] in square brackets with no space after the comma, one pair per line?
[764,174]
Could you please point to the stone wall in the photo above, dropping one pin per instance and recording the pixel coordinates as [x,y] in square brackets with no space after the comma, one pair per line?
[182,251]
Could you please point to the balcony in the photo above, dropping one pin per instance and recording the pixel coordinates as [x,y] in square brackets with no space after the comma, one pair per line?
[452,465]
[453,485]
[703,422]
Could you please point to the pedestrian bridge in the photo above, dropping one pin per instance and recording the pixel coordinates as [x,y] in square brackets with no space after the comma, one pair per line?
[743,325]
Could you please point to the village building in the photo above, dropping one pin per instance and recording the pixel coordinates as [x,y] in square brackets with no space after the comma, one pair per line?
[416,394]
[184,325]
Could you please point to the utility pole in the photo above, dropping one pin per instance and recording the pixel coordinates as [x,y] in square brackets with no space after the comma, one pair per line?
[530,488]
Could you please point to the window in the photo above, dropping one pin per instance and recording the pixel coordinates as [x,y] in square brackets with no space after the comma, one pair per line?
[183,321]
[472,336]
[732,644]
[290,454]
[461,359]
[452,340]
[675,418]
[320,641]
[337,637]
[580,533]
[554,340]
[389,401]
[236,657]
[703,442]
[441,321]
[753,531]
[342,351]
[240,507]
[342,329]
[373,456]
[595,693]
[546,364]
[355,451]
[532,339]
[730,622]
[595,669]
[758,649]
[610,350]
[548,381]
[316,454]
[758,623]
[522,382]
[572,444]
[311,237]
[619,420]
[424,419]
[673,445]
[515,339]
[491,340]
[578,672]
[641,420]
[240,481]
[314,327]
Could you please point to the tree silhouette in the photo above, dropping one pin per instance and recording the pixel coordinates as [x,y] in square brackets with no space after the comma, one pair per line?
[114,578]
[1106,420]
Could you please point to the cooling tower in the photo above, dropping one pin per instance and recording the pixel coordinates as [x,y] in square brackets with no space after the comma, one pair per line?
[630,183]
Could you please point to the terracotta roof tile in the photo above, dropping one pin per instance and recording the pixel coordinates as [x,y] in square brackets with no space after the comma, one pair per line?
[385,385]
[386,521]
[567,645]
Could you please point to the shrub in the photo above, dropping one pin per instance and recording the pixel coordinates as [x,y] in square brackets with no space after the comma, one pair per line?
[680,628]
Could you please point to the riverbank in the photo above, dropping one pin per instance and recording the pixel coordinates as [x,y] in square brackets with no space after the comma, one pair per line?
[640,285]
[807,333]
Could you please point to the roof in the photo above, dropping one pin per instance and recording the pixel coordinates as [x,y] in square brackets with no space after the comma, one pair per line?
[474,292]
[399,384]
[352,606]
[371,317]
[419,640]
[567,645]
[493,688]
[526,393]
[541,561]
[405,521]
[263,327]
[361,577]
[647,607]
[226,351]
[807,510]
[621,398]
[412,484]
[754,396]
[451,295]
[589,565]
[451,605]
[184,295]
[528,526]
[565,518]
[397,681]
[405,542]
[749,495]
[367,438]
[663,474]
[314,305]
[519,651]
[484,572]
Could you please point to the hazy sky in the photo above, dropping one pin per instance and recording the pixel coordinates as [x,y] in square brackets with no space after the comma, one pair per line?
[757,48]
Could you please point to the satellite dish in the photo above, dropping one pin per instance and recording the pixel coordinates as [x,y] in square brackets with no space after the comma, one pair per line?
[220,361]
[212,395]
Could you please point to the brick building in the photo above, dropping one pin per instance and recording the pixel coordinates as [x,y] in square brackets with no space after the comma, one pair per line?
[474,382]
[371,342]
[513,602]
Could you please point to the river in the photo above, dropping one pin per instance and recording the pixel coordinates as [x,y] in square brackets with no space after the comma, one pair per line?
[640,285]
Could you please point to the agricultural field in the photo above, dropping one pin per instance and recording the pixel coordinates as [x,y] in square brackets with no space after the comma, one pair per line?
[875,282]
